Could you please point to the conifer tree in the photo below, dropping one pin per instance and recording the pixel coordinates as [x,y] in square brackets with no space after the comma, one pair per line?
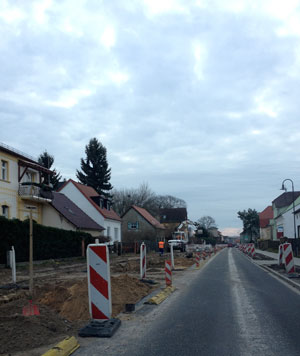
[95,172]
[46,160]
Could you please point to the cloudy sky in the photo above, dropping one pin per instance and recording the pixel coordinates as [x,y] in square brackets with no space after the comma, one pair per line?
[199,99]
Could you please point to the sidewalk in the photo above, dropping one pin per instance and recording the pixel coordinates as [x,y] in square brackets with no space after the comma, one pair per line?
[275,256]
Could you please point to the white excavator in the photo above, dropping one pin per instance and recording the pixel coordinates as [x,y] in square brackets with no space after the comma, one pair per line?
[180,237]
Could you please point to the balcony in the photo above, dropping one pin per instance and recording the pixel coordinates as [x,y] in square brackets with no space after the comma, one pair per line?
[35,192]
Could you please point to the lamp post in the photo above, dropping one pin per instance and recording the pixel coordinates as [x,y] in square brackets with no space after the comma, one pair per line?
[293,196]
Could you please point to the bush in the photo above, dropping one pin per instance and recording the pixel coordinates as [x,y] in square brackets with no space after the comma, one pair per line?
[48,242]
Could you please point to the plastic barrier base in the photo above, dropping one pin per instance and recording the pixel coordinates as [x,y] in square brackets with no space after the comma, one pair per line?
[104,328]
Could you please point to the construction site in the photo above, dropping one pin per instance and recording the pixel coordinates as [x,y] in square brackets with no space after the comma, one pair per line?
[59,307]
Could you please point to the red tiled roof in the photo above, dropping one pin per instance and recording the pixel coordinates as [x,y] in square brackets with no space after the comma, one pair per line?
[146,215]
[265,216]
[89,192]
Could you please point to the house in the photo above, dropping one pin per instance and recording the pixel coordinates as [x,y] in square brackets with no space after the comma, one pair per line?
[280,206]
[97,207]
[138,224]
[62,213]
[171,219]
[21,185]
[265,227]
[288,222]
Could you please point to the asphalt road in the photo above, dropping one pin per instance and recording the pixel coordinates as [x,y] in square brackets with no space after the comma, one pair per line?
[231,307]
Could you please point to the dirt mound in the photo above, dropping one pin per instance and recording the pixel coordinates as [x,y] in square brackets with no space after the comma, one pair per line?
[71,302]
[63,310]
[20,333]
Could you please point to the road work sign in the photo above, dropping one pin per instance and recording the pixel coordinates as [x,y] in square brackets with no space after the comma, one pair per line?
[99,281]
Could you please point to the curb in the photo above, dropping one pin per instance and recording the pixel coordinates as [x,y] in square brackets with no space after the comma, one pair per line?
[287,280]
[64,348]
[278,275]
[160,297]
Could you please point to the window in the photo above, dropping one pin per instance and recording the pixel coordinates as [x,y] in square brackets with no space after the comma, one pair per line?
[133,225]
[4,170]
[4,210]
[108,231]
[29,177]
[116,234]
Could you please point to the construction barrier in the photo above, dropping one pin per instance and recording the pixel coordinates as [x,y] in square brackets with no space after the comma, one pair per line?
[288,258]
[198,259]
[280,255]
[143,260]
[168,273]
[99,281]
[252,251]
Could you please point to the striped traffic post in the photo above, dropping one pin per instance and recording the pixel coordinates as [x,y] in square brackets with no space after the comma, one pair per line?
[143,260]
[168,273]
[99,289]
[197,259]
[288,258]
[252,251]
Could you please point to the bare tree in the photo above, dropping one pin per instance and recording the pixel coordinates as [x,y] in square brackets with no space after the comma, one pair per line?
[206,222]
[145,198]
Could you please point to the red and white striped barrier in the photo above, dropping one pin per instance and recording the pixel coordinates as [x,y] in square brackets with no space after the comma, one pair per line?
[99,281]
[248,251]
[168,273]
[197,259]
[280,255]
[143,260]
[288,258]
[252,251]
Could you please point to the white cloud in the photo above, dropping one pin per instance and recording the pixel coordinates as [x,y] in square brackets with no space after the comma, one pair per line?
[108,38]
[156,7]
[69,98]
[200,54]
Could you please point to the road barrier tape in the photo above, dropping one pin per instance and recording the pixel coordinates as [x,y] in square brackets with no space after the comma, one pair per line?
[99,281]
[160,297]
[288,258]
[64,348]
[143,261]
[168,273]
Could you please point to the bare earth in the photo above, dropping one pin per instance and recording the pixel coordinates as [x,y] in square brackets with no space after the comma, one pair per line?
[62,299]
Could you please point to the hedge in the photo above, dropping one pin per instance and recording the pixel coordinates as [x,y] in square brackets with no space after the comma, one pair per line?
[48,242]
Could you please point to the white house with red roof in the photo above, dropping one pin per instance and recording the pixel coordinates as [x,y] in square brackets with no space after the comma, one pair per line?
[95,206]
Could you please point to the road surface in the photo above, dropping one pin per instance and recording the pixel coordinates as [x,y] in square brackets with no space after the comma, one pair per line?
[231,307]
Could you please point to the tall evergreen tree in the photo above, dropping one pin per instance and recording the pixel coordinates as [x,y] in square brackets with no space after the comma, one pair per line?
[95,172]
[46,160]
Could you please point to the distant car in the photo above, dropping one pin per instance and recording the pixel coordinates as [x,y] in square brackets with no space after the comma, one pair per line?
[177,245]
[230,245]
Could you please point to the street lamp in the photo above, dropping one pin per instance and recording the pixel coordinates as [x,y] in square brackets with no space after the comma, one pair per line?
[293,196]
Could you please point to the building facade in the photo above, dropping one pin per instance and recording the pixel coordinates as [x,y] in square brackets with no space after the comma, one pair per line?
[21,185]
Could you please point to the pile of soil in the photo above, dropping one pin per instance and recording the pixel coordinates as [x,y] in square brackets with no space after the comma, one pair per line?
[21,333]
[63,311]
